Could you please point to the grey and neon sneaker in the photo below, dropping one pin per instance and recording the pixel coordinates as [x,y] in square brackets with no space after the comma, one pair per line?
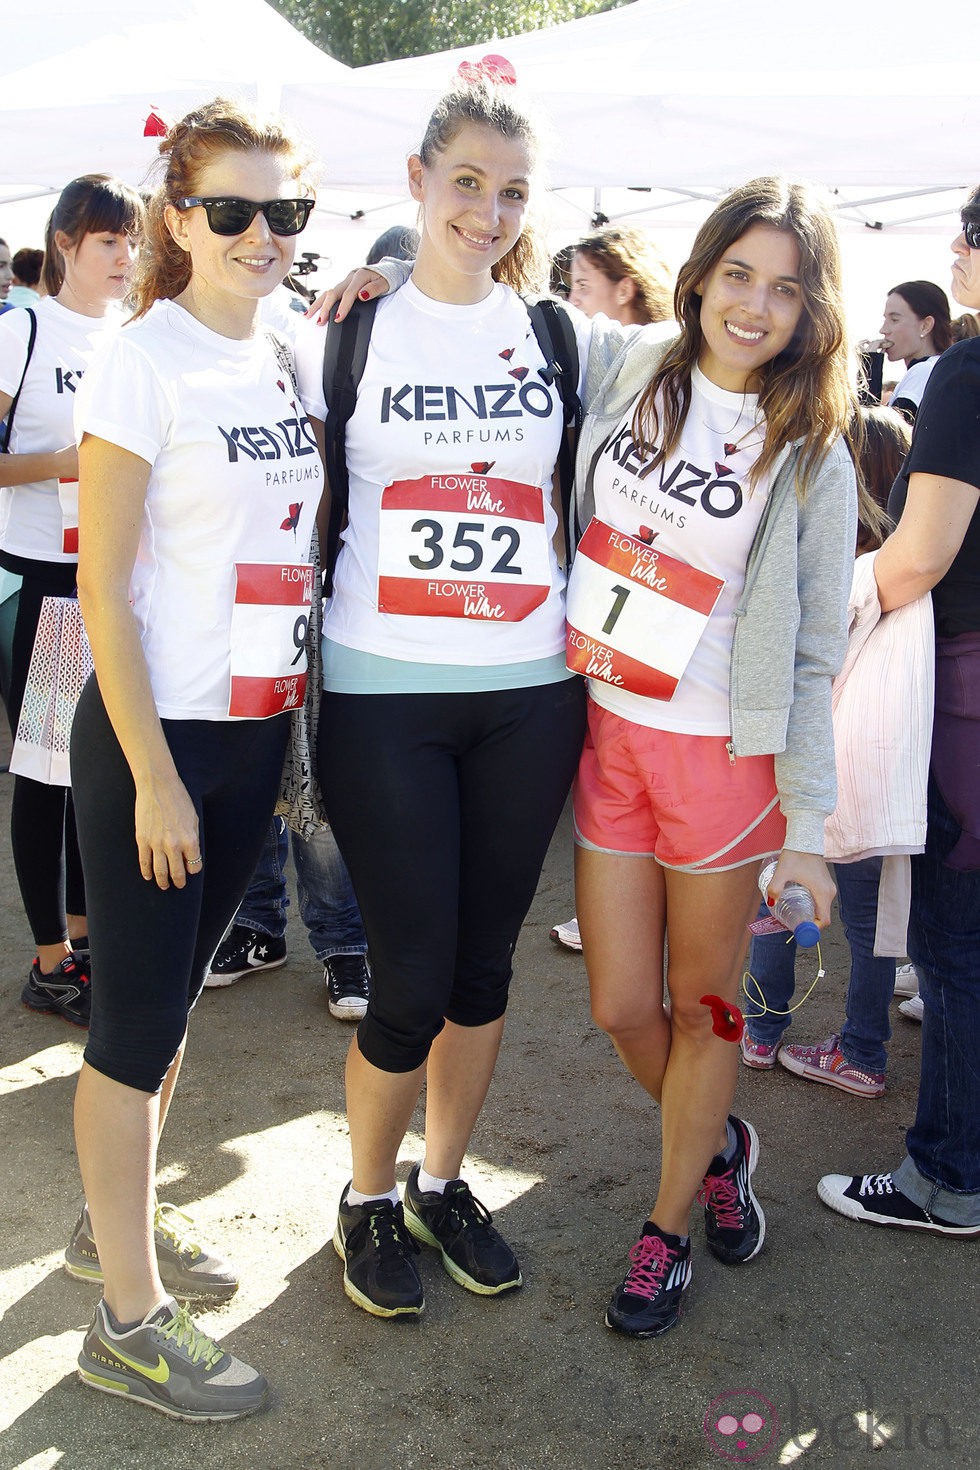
[187,1270]
[168,1363]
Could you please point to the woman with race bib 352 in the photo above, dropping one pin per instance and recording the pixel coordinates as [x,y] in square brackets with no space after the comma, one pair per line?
[450,727]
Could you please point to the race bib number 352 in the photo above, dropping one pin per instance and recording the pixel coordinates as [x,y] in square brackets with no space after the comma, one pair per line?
[462,546]
[634,614]
[268,638]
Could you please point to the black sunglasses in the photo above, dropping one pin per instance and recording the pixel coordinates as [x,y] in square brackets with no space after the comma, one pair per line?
[233,216]
[971,232]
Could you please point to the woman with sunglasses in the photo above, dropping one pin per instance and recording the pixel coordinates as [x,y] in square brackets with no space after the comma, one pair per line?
[936,548]
[89,250]
[200,481]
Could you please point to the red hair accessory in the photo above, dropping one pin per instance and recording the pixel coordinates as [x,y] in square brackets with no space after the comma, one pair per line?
[155,126]
[727,1020]
[496,70]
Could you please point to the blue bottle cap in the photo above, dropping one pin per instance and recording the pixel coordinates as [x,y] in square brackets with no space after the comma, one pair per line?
[806,934]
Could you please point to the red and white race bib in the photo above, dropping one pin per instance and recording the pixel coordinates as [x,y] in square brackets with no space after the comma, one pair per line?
[268,637]
[634,614]
[463,546]
[68,501]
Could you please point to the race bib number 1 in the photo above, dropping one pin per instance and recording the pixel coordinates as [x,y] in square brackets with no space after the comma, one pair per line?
[634,614]
[268,638]
[463,546]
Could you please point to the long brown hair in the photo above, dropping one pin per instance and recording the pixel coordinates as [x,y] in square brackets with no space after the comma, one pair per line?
[806,391]
[479,101]
[163,269]
[91,205]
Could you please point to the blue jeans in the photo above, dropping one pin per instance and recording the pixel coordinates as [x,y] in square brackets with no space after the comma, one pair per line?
[772,961]
[327,904]
[942,1170]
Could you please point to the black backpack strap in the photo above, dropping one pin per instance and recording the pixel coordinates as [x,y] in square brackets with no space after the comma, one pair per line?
[552,326]
[31,339]
[344,356]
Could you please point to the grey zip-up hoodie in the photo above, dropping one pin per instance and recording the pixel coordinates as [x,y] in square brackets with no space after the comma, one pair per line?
[791,620]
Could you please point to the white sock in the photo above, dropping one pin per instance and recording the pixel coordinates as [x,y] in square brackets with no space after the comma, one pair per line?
[429,1184]
[354,1196]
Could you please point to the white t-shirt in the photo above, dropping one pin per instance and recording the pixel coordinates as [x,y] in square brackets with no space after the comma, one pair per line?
[698,509]
[447,557]
[913,383]
[31,520]
[236,478]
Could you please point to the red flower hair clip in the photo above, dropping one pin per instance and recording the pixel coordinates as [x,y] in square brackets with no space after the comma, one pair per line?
[727,1020]
[155,126]
[496,70]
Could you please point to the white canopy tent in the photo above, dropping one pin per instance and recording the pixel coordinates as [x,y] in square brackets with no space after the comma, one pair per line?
[655,107]
[77,81]
[693,95]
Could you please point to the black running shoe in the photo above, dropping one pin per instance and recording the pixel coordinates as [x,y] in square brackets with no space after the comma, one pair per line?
[456,1224]
[877,1199]
[346,977]
[377,1250]
[67,991]
[244,951]
[649,1300]
[734,1225]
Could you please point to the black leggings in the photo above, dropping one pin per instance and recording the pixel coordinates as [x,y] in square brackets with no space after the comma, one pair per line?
[42,819]
[151,947]
[443,806]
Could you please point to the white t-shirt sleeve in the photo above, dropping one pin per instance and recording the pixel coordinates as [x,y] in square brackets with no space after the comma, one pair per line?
[123,400]
[14,335]
[308,345]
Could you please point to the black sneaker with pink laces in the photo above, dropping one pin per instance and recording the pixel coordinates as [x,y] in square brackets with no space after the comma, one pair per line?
[649,1300]
[734,1225]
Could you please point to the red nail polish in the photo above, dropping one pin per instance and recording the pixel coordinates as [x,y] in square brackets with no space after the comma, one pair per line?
[363,294]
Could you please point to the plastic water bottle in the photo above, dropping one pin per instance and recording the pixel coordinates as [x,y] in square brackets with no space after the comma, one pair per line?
[793,908]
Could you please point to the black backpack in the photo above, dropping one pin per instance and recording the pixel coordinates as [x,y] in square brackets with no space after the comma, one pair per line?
[344,357]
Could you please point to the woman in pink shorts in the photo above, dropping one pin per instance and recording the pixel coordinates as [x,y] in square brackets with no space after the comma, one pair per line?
[707,606]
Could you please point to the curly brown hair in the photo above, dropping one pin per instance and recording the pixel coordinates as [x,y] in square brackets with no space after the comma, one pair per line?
[163,269]
[624,253]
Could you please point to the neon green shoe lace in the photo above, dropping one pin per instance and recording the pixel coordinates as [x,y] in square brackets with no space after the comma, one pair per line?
[190,1339]
[175,1226]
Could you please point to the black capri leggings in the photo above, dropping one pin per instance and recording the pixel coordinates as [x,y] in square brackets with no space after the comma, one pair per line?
[42,819]
[151,947]
[443,806]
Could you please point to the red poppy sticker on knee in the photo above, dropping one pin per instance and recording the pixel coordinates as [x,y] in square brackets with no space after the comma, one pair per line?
[727,1020]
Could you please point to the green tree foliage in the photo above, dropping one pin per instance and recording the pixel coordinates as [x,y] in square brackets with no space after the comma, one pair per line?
[361,32]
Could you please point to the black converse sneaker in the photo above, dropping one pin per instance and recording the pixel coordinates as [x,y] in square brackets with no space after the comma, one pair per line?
[877,1199]
[734,1225]
[648,1302]
[377,1250]
[66,992]
[346,977]
[460,1228]
[244,951]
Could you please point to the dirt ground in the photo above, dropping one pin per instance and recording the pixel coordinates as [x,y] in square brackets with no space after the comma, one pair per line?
[839,1336]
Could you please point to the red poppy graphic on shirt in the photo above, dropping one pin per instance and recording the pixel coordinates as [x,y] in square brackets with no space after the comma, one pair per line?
[727,1020]
[507,354]
[519,373]
[483,466]
[292,520]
